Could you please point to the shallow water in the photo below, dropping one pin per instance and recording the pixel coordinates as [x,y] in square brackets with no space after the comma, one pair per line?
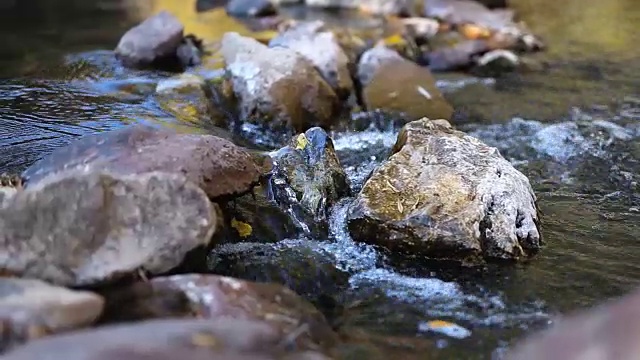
[573,129]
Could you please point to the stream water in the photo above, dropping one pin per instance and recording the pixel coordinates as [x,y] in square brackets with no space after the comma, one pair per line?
[574,129]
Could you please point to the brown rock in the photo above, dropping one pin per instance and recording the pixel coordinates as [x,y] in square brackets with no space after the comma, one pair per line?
[407,88]
[217,297]
[223,338]
[219,167]
[77,228]
[31,309]
[446,195]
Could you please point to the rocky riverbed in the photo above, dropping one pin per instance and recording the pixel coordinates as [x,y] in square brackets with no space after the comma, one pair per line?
[318,180]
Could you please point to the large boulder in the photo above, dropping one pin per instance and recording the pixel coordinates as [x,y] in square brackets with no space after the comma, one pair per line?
[217,297]
[30,309]
[154,40]
[218,166]
[446,195]
[609,331]
[277,88]
[85,227]
[200,339]
[312,40]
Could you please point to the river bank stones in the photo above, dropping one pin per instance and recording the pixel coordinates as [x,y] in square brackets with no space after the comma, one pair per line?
[277,88]
[86,227]
[30,309]
[218,166]
[189,339]
[446,195]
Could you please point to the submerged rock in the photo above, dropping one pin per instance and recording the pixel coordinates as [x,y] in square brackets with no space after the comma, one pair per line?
[189,99]
[202,339]
[308,270]
[605,332]
[406,88]
[446,195]
[312,169]
[154,40]
[386,7]
[277,88]
[218,166]
[31,309]
[459,56]
[460,12]
[321,47]
[250,8]
[85,228]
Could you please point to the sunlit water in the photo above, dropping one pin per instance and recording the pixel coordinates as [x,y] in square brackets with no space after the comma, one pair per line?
[573,130]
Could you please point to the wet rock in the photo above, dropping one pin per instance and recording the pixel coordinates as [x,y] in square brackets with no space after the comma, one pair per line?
[496,63]
[458,56]
[446,195]
[222,338]
[306,269]
[603,332]
[321,47]
[277,88]
[218,166]
[374,58]
[257,217]
[406,88]
[154,40]
[387,7]
[312,169]
[9,186]
[190,51]
[30,309]
[250,8]
[189,99]
[84,228]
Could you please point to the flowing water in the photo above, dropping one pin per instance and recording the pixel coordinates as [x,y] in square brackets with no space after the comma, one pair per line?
[573,128]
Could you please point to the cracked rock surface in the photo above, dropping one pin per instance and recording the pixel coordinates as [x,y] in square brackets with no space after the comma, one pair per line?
[448,196]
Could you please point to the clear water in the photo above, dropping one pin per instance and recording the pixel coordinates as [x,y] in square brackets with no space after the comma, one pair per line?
[573,129]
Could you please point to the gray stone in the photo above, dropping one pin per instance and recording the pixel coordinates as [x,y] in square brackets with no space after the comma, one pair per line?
[155,38]
[30,309]
[446,195]
[277,88]
[86,227]
[320,46]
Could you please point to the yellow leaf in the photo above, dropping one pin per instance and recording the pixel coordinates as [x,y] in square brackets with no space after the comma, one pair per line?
[436,324]
[394,40]
[301,142]
[242,228]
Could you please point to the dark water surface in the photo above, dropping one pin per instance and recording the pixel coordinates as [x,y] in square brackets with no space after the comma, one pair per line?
[574,129]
